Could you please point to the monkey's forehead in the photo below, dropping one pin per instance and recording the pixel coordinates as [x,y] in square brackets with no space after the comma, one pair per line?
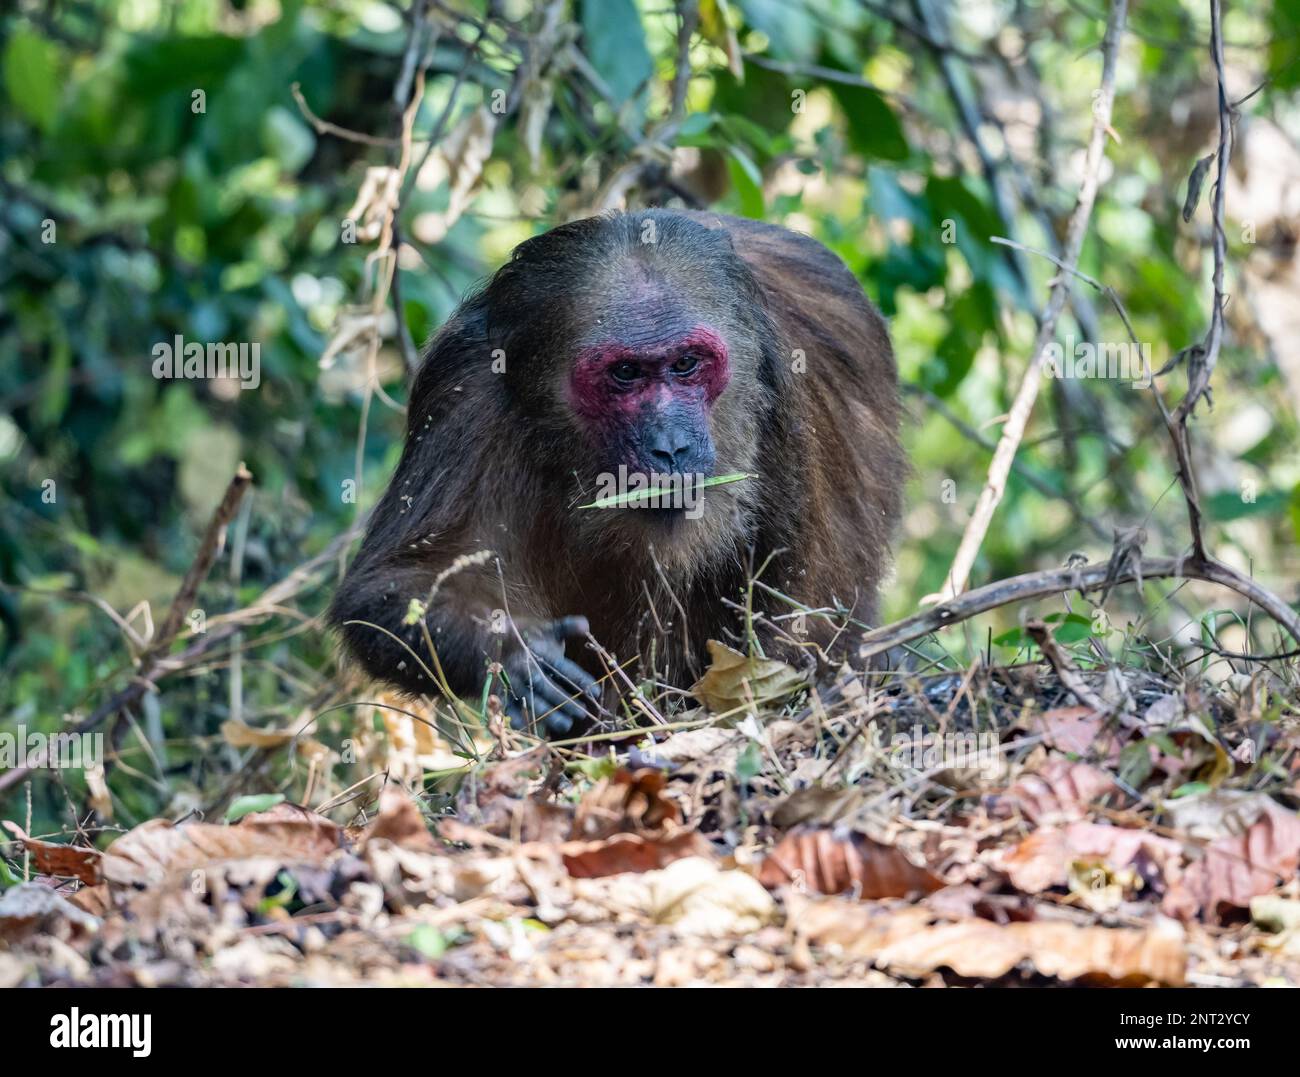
[638,308]
[648,314]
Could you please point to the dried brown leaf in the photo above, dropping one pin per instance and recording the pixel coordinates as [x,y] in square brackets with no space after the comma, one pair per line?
[53,858]
[698,897]
[626,802]
[508,799]
[906,942]
[1218,813]
[1065,951]
[399,821]
[820,805]
[31,907]
[1060,791]
[1078,731]
[1234,870]
[92,899]
[735,682]
[834,861]
[157,850]
[631,852]
[1043,859]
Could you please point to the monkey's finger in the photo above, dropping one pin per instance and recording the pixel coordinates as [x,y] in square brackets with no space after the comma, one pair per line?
[561,700]
[570,628]
[531,696]
[558,724]
[540,692]
[573,677]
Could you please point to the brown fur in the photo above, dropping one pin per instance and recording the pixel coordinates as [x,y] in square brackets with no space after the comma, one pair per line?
[494,462]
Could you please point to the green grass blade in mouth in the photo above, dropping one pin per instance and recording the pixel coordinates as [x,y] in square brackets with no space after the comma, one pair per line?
[633,498]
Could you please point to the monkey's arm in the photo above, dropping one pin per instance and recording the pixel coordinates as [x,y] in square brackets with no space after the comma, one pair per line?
[438,507]
[384,609]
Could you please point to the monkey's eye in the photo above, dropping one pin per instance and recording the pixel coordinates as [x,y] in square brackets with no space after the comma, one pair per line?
[685,365]
[625,373]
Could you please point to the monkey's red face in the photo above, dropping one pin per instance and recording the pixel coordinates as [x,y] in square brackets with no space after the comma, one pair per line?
[645,398]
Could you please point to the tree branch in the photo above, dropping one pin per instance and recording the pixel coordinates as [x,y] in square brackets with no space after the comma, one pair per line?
[1094,577]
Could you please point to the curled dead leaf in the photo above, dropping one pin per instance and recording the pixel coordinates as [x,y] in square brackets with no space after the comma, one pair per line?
[1234,870]
[735,682]
[400,822]
[906,942]
[53,858]
[509,799]
[1043,860]
[1065,951]
[155,851]
[698,897]
[626,801]
[1060,791]
[1217,813]
[459,160]
[820,805]
[1078,731]
[31,907]
[834,861]
[631,852]
[242,735]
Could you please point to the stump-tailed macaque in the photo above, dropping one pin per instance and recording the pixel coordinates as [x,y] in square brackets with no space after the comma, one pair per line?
[615,355]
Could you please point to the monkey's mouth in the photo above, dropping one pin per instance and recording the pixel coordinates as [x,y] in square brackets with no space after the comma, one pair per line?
[660,494]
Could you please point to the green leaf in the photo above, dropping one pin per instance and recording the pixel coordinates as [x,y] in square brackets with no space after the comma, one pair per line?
[972,315]
[635,497]
[242,806]
[429,941]
[874,130]
[694,128]
[749,764]
[32,78]
[1135,764]
[1191,789]
[287,138]
[614,41]
[602,766]
[1229,504]
[1075,628]
[748,182]
[283,897]
[157,66]
[889,200]
[973,224]
[1284,47]
[791,29]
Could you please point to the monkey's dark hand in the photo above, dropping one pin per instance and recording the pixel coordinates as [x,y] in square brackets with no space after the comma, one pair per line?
[543,685]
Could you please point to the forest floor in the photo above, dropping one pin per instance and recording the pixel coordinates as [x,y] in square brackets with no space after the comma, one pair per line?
[952,828]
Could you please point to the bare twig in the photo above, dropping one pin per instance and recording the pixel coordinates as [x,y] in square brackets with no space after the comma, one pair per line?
[213,539]
[1032,585]
[1201,361]
[324,127]
[152,660]
[1069,676]
[1014,428]
[688,13]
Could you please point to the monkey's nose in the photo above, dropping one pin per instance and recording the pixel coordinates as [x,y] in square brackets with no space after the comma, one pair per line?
[666,461]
